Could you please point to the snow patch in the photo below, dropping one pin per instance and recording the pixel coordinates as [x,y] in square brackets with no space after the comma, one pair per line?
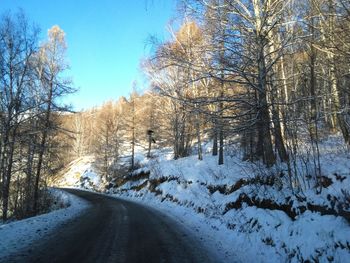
[19,235]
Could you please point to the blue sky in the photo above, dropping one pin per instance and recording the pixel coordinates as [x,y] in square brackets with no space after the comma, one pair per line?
[106,40]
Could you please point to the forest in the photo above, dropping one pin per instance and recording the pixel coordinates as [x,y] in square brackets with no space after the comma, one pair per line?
[263,76]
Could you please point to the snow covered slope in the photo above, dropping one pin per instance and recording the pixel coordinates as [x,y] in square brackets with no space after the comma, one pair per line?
[80,173]
[245,211]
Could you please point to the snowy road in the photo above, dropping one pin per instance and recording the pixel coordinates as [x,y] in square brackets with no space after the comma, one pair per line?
[114,230]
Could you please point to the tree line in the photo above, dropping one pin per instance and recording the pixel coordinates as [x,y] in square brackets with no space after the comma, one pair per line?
[31,85]
[116,129]
[271,75]
[272,72]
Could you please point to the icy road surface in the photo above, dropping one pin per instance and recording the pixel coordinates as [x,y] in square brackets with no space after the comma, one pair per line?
[113,230]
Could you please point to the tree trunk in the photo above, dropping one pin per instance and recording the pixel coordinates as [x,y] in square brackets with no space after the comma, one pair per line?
[42,147]
[199,141]
[215,138]
[221,127]
[337,115]
[29,175]
[149,145]
[7,179]
[264,146]
[279,141]
[221,147]
[133,143]
[276,109]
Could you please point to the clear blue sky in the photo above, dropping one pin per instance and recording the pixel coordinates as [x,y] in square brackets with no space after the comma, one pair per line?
[106,40]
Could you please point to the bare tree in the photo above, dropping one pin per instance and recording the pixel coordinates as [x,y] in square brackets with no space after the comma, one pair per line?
[51,64]
[17,46]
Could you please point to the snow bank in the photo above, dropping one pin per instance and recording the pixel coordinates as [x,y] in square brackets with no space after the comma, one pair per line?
[21,234]
[201,194]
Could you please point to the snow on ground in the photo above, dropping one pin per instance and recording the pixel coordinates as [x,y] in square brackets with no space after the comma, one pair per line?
[260,235]
[19,235]
[80,173]
[201,193]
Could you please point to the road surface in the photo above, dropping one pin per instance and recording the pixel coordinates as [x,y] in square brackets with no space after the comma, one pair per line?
[114,230]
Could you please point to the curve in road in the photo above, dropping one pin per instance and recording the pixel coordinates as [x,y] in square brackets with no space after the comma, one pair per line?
[115,230]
